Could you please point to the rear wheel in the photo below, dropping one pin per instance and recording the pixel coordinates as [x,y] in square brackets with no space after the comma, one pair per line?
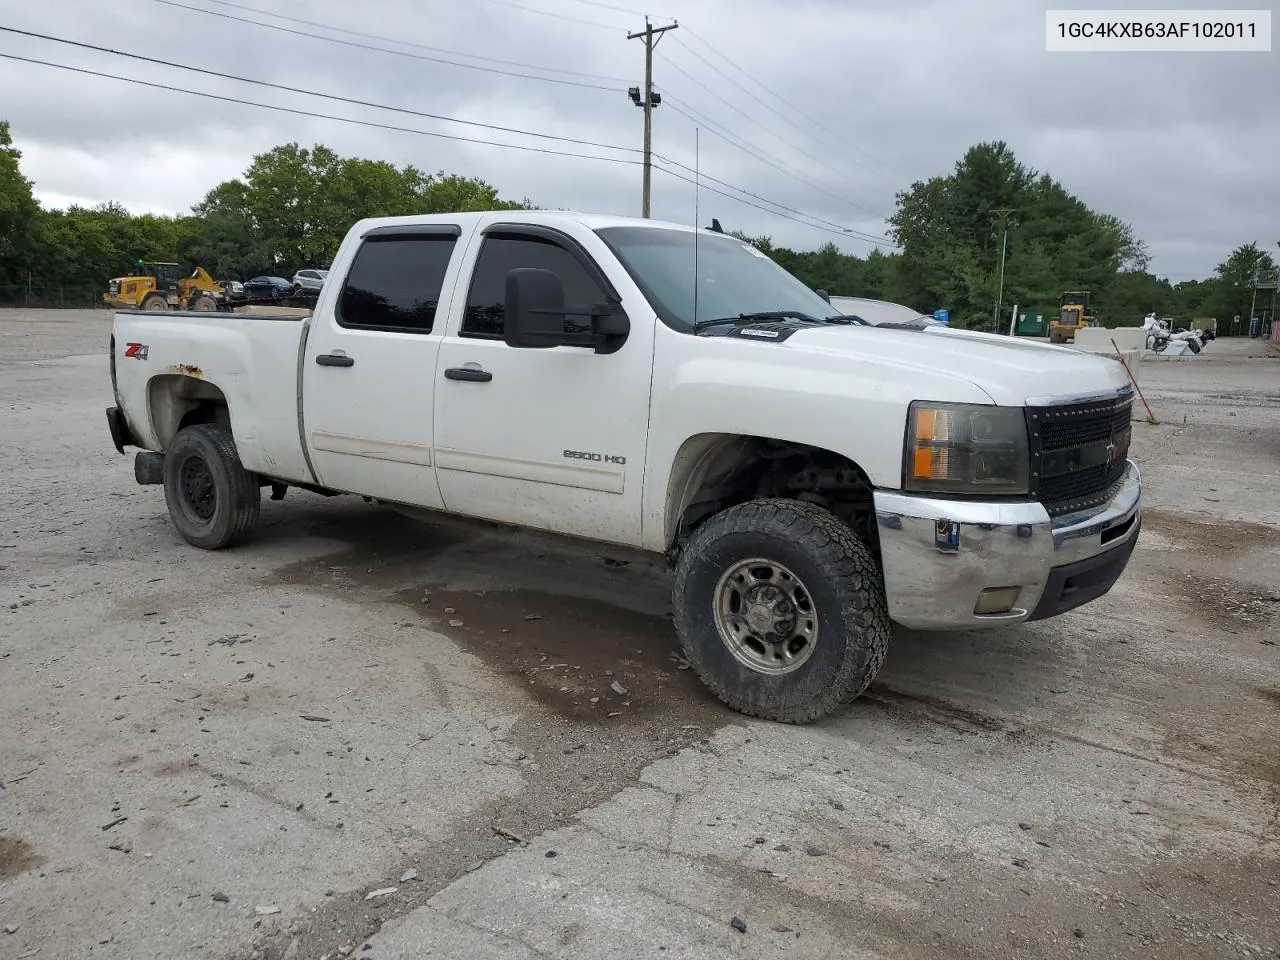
[155,302]
[204,304]
[781,610]
[213,501]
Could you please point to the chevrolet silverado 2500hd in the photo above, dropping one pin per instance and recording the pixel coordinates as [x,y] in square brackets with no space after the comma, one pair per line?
[811,478]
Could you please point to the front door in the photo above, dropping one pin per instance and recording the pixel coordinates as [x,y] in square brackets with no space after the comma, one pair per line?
[369,369]
[550,438]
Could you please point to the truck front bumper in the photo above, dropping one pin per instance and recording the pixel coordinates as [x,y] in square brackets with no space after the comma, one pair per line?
[956,564]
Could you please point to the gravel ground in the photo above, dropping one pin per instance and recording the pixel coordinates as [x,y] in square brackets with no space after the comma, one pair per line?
[369,735]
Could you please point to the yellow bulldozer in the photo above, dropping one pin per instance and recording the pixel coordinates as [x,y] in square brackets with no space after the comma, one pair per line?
[157,286]
[1073,315]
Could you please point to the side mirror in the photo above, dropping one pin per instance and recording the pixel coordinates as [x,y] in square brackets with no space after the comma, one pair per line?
[537,317]
[824,295]
[535,309]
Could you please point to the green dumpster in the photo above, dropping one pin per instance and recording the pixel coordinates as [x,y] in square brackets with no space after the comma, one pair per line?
[1031,325]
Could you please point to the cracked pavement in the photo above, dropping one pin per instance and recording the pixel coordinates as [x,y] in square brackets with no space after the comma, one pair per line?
[224,755]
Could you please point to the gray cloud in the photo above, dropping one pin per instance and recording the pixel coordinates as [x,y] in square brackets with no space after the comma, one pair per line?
[1181,145]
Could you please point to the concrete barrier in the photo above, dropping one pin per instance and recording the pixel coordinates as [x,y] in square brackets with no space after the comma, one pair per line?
[1132,357]
[1126,338]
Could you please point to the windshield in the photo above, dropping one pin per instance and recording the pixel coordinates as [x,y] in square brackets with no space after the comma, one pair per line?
[733,277]
[883,313]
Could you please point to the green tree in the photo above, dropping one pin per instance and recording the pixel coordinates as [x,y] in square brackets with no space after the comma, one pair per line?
[1232,292]
[956,230]
[18,212]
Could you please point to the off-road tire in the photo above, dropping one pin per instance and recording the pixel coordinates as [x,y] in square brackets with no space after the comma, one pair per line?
[843,580]
[204,457]
[203,305]
[154,302]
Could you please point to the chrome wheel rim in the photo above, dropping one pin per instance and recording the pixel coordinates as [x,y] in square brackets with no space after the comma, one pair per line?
[766,617]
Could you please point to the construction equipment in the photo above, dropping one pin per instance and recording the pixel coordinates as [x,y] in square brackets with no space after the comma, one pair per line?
[1073,314]
[157,286]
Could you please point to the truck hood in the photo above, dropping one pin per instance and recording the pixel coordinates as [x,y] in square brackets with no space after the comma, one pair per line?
[1010,371]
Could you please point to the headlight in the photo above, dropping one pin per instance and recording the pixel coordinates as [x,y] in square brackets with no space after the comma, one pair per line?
[964,448]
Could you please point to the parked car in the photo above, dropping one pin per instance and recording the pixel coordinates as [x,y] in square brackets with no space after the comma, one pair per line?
[267,288]
[309,281]
[812,479]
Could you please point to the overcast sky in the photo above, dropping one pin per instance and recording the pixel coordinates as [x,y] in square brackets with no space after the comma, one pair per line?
[852,99]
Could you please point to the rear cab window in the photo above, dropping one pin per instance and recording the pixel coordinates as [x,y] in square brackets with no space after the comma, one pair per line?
[396,279]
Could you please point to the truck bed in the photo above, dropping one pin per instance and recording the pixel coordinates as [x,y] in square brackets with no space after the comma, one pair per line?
[252,357]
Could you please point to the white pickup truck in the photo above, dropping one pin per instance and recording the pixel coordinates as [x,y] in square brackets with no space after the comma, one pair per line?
[812,478]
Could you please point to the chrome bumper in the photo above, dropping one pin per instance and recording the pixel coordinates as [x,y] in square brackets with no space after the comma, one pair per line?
[939,556]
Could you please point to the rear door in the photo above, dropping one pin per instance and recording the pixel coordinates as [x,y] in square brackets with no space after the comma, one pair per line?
[369,368]
[551,438]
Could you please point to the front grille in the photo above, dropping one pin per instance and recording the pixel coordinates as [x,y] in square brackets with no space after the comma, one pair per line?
[1079,452]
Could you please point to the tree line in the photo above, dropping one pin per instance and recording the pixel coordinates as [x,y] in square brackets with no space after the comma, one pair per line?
[954,234]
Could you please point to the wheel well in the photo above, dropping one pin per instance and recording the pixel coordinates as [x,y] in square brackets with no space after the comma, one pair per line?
[177,401]
[721,471]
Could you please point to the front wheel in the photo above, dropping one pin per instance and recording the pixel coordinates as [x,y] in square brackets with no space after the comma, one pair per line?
[212,499]
[781,610]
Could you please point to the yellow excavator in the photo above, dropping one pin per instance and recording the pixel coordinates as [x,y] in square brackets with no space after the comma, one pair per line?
[1073,315]
[157,286]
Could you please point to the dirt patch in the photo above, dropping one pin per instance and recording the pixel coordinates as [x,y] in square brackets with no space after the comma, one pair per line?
[16,857]
[1228,603]
[1212,540]
[920,707]
[585,660]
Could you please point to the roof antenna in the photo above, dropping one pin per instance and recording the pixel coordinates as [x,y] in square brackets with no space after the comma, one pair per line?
[715,226]
[696,230]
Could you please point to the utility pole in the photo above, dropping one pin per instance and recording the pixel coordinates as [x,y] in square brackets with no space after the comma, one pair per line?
[651,36]
[1004,248]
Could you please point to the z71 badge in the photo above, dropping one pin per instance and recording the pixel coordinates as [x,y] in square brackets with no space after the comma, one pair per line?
[138,351]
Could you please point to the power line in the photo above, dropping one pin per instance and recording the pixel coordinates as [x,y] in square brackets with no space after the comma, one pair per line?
[787,103]
[399,129]
[609,6]
[739,111]
[398,53]
[320,116]
[772,109]
[407,43]
[558,16]
[363,103]
[837,232]
[768,159]
[314,93]
[702,175]
[840,228]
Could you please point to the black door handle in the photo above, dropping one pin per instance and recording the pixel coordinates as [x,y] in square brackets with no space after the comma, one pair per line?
[335,360]
[468,373]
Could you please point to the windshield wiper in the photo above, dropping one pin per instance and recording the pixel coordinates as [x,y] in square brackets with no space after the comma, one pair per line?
[755,317]
[849,319]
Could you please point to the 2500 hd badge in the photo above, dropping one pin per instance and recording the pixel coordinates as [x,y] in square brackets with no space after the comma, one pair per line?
[597,457]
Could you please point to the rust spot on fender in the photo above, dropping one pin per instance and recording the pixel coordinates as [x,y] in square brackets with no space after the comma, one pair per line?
[187,370]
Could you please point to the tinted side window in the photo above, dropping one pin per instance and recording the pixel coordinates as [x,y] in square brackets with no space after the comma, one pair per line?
[394,283]
[486,303]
